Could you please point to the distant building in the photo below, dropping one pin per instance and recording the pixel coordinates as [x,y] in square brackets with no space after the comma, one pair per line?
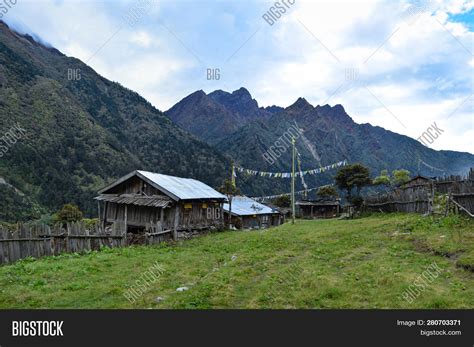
[248,214]
[318,208]
[417,181]
[145,200]
[285,211]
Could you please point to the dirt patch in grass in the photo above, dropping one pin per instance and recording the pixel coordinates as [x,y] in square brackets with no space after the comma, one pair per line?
[466,261]
[468,267]
[423,247]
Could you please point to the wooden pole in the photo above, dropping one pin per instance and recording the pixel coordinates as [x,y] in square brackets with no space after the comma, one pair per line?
[230,210]
[293,184]
[232,179]
[125,218]
[104,220]
[446,212]
[176,221]
[431,199]
[230,196]
[221,206]
[98,211]
[459,206]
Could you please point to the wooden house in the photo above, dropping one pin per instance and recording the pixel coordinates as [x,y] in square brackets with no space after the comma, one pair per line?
[417,181]
[249,214]
[144,201]
[284,211]
[311,209]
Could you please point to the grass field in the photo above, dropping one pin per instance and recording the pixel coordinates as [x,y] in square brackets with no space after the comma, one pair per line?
[362,263]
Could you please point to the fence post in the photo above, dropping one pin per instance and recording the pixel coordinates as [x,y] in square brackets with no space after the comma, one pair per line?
[3,258]
[68,239]
[432,198]
[446,212]
[88,239]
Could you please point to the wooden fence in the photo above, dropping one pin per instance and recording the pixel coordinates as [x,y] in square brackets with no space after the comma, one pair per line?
[460,191]
[41,240]
[421,198]
[416,200]
[461,202]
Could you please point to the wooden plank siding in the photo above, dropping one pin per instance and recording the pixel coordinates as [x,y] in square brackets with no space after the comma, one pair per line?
[317,211]
[200,214]
[258,221]
[195,217]
[418,195]
[135,185]
[138,215]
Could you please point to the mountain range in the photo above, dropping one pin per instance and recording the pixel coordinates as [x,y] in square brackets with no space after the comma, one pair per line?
[237,126]
[81,131]
[214,116]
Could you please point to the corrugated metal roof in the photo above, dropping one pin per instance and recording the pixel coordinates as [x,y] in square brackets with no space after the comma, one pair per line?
[317,203]
[244,206]
[182,188]
[134,199]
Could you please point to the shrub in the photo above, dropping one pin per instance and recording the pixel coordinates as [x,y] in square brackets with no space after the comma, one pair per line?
[69,213]
[90,223]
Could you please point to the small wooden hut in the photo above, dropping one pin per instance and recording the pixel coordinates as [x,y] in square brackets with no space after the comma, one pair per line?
[144,201]
[285,211]
[311,209]
[417,181]
[249,214]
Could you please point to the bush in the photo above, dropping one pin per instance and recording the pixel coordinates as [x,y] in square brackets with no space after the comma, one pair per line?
[69,213]
[90,223]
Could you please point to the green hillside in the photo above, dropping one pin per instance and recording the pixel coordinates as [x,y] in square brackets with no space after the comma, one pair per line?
[80,134]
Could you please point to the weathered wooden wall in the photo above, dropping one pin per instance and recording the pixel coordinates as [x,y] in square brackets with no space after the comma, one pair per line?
[139,215]
[135,185]
[192,215]
[412,200]
[260,221]
[419,198]
[200,215]
[41,240]
[308,212]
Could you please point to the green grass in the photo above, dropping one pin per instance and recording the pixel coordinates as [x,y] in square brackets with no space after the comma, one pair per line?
[361,263]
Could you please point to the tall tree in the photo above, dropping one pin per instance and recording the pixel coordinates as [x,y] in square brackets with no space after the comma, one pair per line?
[400,176]
[353,176]
[327,192]
[383,179]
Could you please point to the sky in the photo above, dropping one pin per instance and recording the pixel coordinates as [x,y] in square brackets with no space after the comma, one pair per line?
[399,65]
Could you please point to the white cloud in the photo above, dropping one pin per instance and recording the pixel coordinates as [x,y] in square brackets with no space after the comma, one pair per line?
[142,38]
[419,74]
